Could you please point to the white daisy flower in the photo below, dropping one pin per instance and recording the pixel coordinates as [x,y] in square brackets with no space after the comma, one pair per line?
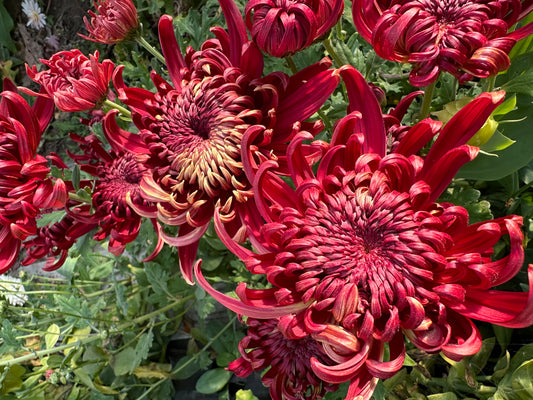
[12,290]
[36,19]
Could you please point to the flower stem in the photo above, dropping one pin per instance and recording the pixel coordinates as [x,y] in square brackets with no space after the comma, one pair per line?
[124,111]
[332,52]
[426,101]
[488,83]
[190,360]
[151,49]
[47,352]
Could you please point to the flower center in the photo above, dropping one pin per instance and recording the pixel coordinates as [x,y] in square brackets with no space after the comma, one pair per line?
[360,235]
[118,178]
[201,131]
[446,11]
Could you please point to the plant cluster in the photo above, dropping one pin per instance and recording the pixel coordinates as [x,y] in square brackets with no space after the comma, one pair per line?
[333,197]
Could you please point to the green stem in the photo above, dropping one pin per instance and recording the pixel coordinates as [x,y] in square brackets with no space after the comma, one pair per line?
[124,111]
[426,102]
[152,50]
[488,83]
[89,339]
[161,310]
[47,352]
[291,64]
[332,52]
[47,311]
[208,344]
[190,360]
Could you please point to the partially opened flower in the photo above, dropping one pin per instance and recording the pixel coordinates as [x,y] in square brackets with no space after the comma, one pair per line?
[118,174]
[114,21]
[284,27]
[25,185]
[287,361]
[363,249]
[54,241]
[209,130]
[466,38]
[73,81]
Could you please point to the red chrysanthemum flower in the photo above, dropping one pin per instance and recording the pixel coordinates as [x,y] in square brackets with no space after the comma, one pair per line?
[364,251]
[463,37]
[287,359]
[54,241]
[73,81]
[284,27]
[117,191]
[115,21]
[208,131]
[25,187]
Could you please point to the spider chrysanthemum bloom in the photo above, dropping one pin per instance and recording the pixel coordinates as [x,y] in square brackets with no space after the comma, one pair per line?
[73,81]
[287,359]
[114,21]
[363,249]
[25,185]
[466,38]
[284,27]
[208,131]
[118,174]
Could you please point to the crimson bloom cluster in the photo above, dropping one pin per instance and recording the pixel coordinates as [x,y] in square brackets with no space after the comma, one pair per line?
[357,250]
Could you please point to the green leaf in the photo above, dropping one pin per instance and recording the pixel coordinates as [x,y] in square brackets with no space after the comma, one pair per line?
[84,377]
[158,278]
[478,361]
[189,365]
[522,381]
[223,359]
[142,349]
[506,107]
[50,218]
[6,24]
[52,336]
[512,158]
[442,396]
[497,142]
[10,380]
[213,380]
[523,83]
[503,335]
[9,336]
[124,362]
[79,312]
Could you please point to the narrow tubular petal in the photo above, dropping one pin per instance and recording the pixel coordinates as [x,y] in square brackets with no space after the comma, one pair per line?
[362,99]
[236,29]
[171,50]
[189,237]
[440,173]
[119,139]
[465,340]
[298,166]
[241,252]
[386,369]
[342,372]
[509,309]
[418,136]
[268,185]
[239,307]
[306,99]
[464,125]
